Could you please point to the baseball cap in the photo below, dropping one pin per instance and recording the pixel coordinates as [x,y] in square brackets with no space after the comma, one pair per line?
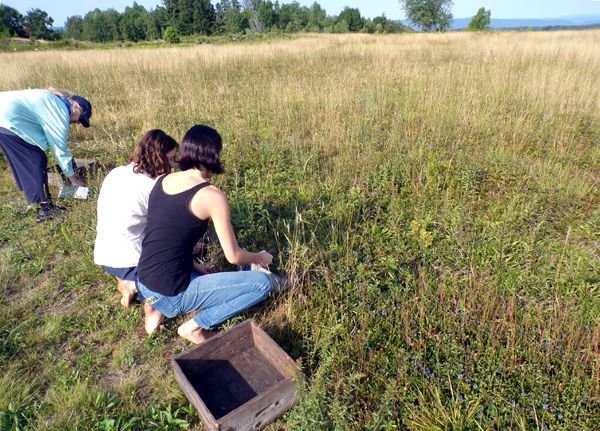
[86,110]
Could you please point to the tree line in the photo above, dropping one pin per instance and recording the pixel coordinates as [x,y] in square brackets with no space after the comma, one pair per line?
[190,17]
[176,18]
[36,24]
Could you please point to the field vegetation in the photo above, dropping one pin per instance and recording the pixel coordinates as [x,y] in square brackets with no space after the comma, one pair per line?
[433,197]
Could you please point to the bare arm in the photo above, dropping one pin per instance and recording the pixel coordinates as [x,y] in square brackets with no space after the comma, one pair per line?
[214,204]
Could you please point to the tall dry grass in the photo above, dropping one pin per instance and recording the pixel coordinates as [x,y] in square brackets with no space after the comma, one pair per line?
[433,197]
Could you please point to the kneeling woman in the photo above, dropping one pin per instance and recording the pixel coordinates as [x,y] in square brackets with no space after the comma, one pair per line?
[123,206]
[179,209]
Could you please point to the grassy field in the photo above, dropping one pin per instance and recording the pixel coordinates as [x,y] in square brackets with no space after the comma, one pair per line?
[434,199]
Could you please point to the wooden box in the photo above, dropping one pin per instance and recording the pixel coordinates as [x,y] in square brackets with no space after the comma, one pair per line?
[239,379]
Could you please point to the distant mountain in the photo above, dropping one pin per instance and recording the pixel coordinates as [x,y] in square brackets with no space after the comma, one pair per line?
[571,21]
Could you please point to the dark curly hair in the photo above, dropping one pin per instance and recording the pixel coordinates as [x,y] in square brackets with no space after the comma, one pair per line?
[201,148]
[150,154]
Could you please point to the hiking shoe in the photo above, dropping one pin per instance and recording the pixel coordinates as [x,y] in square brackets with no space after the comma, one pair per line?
[279,283]
[48,211]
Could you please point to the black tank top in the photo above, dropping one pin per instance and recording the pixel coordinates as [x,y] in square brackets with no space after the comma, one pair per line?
[171,233]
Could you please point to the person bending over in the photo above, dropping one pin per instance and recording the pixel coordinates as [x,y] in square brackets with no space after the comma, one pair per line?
[179,209]
[31,121]
[123,206]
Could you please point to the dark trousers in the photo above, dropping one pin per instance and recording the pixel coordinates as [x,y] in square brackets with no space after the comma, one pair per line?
[28,164]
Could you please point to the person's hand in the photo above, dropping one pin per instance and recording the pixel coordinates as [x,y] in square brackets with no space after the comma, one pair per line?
[202,268]
[76,181]
[264,258]
[199,247]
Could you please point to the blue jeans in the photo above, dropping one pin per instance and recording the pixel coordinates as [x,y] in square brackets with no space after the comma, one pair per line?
[219,296]
[129,273]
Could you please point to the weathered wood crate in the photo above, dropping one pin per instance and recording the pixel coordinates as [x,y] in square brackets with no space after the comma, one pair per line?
[238,380]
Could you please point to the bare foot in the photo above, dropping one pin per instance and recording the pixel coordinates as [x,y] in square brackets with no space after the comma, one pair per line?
[194,333]
[128,290]
[152,318]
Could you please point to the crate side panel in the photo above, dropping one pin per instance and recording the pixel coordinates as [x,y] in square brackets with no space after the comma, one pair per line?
[192,396]
[257,371]
[274,353]
[220,347]
[262,410]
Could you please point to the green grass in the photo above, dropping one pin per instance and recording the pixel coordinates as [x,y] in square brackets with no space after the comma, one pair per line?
[434,199]
[21,44]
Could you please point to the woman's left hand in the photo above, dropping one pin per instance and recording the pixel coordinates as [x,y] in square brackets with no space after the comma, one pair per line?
[202,269]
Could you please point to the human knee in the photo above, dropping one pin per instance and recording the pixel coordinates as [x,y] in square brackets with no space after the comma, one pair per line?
[263,282]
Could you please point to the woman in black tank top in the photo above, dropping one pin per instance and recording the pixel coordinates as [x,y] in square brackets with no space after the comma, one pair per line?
[179,208]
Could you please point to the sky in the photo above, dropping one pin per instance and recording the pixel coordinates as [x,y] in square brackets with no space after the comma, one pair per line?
[60,10]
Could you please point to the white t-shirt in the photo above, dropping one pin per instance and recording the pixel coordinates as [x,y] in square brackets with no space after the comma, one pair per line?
[122,211]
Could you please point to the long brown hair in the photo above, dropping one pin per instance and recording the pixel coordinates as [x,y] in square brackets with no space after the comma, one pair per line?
[150,154]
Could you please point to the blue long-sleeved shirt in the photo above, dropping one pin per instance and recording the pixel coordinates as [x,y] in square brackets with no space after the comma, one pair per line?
[40,118]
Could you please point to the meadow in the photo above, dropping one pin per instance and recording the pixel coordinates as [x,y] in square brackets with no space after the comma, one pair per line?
[433,198]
